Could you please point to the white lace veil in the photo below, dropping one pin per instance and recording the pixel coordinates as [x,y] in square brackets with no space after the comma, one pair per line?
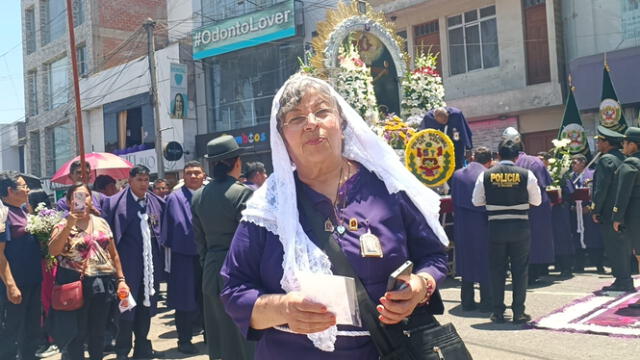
[274,204]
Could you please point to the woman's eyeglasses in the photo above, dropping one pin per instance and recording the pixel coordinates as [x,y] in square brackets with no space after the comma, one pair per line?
[299,122]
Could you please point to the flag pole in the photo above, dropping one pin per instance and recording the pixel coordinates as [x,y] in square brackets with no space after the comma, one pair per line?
[76,89]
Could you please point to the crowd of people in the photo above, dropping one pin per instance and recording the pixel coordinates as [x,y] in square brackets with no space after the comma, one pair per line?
[586,223]
[234,248]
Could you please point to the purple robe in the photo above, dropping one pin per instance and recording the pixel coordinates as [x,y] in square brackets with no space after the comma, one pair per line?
[22,251]
[540,219]
[457,129]
[121,212]
[471,226]
[592,233]
[96,197]
[253,266]
[177,235]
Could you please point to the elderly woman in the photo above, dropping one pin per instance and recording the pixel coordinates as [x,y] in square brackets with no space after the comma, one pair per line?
[325,156]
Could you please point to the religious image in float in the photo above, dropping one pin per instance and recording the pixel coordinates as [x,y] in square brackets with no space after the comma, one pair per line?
[358,51]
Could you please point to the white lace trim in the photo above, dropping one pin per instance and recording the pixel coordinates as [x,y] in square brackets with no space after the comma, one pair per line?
[274,205]
[339,333]
[147,259]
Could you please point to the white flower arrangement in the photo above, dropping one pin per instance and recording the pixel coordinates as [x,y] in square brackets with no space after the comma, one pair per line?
[560,163]
[355,84]
[422,87]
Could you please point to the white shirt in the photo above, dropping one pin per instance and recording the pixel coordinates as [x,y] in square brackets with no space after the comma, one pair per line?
[144,199]
[535,197]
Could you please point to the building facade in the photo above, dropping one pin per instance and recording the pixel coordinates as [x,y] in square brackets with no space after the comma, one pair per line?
[593,30]
[12,146]
[107,34]
[245,51]
[501,61]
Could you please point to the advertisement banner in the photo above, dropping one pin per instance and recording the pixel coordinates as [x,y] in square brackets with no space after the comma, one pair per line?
[179,104]
[276,22]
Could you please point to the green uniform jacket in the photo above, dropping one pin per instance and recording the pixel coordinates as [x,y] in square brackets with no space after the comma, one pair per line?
[604,190]
[627,204]
[216,212]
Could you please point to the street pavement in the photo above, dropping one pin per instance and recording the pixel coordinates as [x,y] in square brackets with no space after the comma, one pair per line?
[484,339]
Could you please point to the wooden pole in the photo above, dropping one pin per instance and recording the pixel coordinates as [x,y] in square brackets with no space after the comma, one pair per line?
[76,89]
[149,25]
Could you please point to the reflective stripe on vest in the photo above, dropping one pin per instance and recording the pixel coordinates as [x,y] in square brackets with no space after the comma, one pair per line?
[502,212]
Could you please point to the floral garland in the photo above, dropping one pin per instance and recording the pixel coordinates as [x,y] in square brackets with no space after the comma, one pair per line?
[422,87]
[41,225]
[355,84]
[560,163]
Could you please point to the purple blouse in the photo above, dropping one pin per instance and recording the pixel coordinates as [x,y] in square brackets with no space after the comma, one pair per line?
[253,266]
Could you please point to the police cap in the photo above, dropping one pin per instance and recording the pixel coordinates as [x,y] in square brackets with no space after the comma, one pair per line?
[608,134]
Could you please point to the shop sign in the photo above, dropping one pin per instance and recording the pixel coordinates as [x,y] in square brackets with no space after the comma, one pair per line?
[251,138]
[148,158]
[276,22]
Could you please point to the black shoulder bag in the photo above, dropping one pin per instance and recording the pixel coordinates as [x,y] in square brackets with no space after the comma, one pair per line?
[419,338]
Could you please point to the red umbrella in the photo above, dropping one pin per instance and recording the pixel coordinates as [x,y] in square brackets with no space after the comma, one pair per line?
[101,164]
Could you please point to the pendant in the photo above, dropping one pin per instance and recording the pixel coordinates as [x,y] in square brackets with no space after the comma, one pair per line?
[328,226]
[370,245]
[353,224]
[341,229]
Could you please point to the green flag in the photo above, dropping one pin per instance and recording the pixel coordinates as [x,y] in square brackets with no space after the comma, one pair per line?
[571,128]
[611,115]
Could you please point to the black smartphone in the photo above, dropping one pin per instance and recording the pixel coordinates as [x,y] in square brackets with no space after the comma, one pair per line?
[398,279]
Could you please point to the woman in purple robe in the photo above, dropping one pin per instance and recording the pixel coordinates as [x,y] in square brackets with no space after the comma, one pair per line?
[329,168]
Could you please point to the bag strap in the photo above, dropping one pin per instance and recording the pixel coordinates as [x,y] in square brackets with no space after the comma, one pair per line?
[341,266]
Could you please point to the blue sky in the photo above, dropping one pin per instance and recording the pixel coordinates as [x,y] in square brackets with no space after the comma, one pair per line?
[11,82]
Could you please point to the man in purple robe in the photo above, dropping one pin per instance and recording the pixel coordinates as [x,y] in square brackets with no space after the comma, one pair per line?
[75,174]
[184,281]
[542,251]
[135,215]
[471,231]
[450,121]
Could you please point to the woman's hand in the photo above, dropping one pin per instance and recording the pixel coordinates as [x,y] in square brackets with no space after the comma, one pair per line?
[123,288]
[74,216]
[398,305]
[14,295]
[305,316]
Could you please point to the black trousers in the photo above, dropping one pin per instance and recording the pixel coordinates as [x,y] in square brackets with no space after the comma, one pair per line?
[20,324]
[184,325]
[509,242]
[618,251]
[467,293]
[139,327]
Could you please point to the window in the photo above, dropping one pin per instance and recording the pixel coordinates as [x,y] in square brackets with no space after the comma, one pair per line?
[30,30]
[473,40]
[242,89]
[81,53]
[57,19]
[78,13]
[62,142]
[32,92]
[215,10]
[128,125]
[58,91]
[34,153]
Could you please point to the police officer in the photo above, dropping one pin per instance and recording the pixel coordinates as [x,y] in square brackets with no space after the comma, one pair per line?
[507,191]
[603,199]
[626,211]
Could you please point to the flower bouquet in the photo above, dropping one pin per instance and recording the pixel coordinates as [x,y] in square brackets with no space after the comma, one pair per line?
[558,166]
[40,225]
[422,87]
[355,84]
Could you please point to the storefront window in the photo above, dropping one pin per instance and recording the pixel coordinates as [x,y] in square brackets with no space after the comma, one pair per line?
[128,125]
[242,89]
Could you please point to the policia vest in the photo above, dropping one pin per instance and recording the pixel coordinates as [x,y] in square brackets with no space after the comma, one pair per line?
[505,188]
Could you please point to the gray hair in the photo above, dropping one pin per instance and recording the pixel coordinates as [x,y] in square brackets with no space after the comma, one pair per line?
[296,88]
[441,111]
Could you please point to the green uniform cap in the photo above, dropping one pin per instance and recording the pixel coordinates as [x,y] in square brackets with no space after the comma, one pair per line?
[632,134]
[608,134]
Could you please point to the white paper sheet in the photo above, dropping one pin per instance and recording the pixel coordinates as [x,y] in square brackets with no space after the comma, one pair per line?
[337,293]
